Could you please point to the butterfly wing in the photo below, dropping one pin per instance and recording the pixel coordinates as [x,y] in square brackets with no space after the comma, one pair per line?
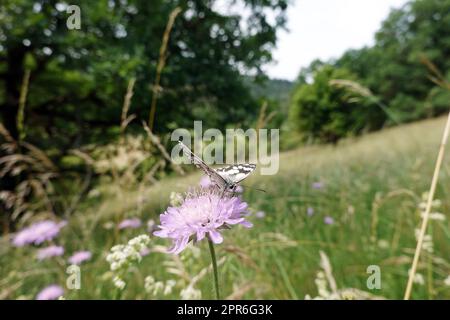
[236,172]
[215,177]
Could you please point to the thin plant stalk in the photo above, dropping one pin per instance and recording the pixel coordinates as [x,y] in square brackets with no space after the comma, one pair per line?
[161,64]
[22,102]
[426,216]
[124,118]
[214,264]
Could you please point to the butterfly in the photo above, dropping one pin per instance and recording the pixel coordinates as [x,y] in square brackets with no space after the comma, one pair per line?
[226,178]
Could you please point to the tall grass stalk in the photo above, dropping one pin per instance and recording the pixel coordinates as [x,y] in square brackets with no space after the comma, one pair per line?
[161,64]
[427,210]
[125,119]
[22,103]
[365,92]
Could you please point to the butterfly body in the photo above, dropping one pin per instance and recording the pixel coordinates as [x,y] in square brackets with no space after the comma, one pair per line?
[226,178]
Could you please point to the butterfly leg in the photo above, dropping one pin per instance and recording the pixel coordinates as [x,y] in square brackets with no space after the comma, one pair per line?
[223,193]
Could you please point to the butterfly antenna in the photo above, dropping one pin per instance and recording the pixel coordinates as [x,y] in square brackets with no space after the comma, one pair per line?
[262,190]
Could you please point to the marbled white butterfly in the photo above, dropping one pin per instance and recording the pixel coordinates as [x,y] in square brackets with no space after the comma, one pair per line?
[225,178]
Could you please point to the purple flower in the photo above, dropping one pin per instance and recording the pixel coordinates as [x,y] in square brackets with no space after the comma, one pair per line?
[144,252]
[318,185]
[328,220]
[51,292]
[260,214]
[201,214]
[79,257]
[130,223]
[51,251]
[310,211]
[38,232]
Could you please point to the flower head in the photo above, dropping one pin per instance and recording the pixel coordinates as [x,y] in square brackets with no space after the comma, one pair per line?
[79,257]
[144,252]
[260,214]
[310,211]
[38,232]
[447,281]
[328,220]
[130,223]
[123,255]
[318,185]
[201,214]
[51,251]
[51,292]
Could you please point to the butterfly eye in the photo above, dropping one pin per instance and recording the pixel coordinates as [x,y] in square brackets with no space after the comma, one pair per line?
[231,187]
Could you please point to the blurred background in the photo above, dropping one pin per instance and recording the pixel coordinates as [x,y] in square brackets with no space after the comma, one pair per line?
[90,92]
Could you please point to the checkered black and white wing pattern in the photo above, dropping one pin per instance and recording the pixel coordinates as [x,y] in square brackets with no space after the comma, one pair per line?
[215,177]
[236,173]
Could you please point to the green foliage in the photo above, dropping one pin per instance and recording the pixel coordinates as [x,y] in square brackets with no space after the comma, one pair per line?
[79,77]
[276,93]
[391,70]
[325,112]
[372,189]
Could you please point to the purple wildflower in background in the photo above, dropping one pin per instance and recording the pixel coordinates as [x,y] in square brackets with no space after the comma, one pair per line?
[260,214]
[38,232]
[130,224]
[51,251]
[51,292]
[328,220]
[79,257]
[144,252]
[318,185]
[201,214]
[310,211]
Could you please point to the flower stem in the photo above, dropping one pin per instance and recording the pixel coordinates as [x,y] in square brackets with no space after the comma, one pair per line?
[214,264]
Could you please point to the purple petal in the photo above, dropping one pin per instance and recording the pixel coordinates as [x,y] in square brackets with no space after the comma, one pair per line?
[51,292]
[215,236]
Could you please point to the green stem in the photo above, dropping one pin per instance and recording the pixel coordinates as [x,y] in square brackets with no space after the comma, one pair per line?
[214,264]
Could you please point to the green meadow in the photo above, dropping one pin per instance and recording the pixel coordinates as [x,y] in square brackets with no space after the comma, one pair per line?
[358,203]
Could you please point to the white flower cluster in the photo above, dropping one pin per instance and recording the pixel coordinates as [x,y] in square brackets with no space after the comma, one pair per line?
[435,205]
[418,278]
[190,293]
[118,282]
[328,290]
[155,288]
[122,256]
[447,281]
[427,244]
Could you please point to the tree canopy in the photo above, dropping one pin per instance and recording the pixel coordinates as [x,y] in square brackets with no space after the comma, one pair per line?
[392,70]
[79,77]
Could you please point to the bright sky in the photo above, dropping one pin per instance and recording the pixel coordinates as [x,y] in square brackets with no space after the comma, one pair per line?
[325,29]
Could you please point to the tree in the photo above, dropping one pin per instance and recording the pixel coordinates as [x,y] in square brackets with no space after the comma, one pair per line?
[328,113]
[392,68]
[78,77]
